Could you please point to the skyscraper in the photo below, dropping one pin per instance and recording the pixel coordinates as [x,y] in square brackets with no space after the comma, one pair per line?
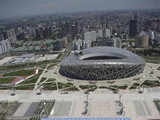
[12,36]
[143,40]
[104,26]
[74,30]
[133,27]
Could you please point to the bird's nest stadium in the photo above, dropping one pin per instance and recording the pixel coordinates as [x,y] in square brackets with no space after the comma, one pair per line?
[102,63]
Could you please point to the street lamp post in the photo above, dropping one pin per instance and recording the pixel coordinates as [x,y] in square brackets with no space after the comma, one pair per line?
[13,90]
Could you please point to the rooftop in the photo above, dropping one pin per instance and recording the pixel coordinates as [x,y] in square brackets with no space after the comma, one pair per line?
[104,55]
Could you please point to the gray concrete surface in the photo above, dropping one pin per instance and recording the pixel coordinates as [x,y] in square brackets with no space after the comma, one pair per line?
[62,108]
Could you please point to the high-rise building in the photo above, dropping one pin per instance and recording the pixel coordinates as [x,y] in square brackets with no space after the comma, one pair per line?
[108,33]
[103,30]
[117,42]
[78,44]
[12,36]
[104,27]
[133,27]
[143,40]
[99,33]
[1,37]
[66,28]
[39,33]
[4,46]
[74,30]
[90,36]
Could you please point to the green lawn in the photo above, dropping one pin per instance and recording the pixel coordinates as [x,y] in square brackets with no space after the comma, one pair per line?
[87,86]
[119,87]
[51,66]
[60,56]
[50,86]
[29,87]
[20,73]
[64,85]
[4,88]
[6,80]
[32,79]
[134,86]
[43,79]
[150,83]
[51,80]
[72,89]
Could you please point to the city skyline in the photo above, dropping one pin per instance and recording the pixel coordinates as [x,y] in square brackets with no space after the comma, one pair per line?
[62,61]
[18,8]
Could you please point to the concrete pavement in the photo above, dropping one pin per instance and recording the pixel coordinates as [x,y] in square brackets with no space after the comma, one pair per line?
[136,106]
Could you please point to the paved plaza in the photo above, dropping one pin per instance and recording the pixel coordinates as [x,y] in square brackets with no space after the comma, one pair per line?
[27,58]
[136,106]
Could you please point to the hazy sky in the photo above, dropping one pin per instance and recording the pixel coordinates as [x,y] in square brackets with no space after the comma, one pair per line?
[11,8]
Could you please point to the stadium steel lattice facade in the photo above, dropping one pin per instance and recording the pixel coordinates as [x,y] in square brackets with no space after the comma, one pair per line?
[102,63]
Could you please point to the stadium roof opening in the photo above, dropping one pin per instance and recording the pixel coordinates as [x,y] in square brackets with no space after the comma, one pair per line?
[101,58]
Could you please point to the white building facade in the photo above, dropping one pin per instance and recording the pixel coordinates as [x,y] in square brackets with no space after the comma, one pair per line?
[91,36]
[4,46]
